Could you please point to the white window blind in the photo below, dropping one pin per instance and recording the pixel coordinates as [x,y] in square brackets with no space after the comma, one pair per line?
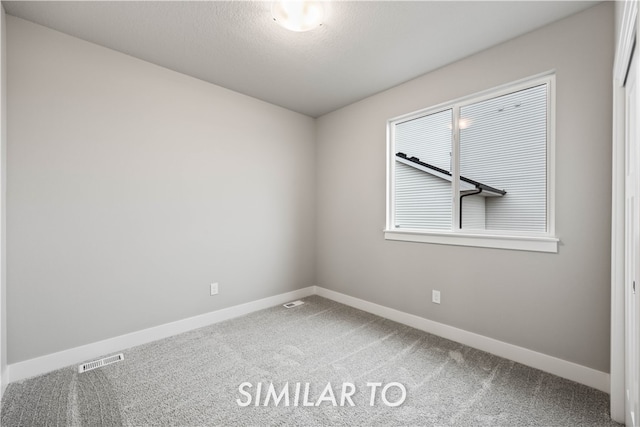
[423,200]
[504,145]
[427,138]
[478,166]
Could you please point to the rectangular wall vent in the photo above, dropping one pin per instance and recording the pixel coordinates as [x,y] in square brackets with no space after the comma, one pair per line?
[100,363]
[293,304]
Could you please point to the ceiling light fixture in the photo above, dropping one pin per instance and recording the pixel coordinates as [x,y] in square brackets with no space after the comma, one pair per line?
[298,15]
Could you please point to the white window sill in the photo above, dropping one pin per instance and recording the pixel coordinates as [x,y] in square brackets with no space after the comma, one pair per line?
[518,243]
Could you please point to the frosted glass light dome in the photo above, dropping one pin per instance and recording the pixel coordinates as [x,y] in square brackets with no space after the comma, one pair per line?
[298,15]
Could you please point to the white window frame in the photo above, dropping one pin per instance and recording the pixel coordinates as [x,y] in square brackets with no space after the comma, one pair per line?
[526,241]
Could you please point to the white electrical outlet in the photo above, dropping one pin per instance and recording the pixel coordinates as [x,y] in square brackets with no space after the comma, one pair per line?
[214,289]
[435,297]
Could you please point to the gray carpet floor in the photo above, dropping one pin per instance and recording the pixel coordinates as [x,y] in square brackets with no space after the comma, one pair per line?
[193,379]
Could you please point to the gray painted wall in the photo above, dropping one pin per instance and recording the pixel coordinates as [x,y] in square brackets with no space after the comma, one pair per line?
[132,187]
[3,202]
[556,304]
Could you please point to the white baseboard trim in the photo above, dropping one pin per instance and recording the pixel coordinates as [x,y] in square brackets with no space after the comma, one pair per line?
[50,362]
[562,368]
[4,380]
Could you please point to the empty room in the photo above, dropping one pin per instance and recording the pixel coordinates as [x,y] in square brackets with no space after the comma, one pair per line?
[341,213]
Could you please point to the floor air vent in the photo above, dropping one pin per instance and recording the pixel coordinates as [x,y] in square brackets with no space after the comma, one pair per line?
[293,304]
[100,363]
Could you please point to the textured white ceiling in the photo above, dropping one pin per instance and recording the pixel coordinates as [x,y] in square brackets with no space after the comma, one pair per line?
[362,48]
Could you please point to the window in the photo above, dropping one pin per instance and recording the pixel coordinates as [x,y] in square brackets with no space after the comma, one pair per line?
[476,171]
